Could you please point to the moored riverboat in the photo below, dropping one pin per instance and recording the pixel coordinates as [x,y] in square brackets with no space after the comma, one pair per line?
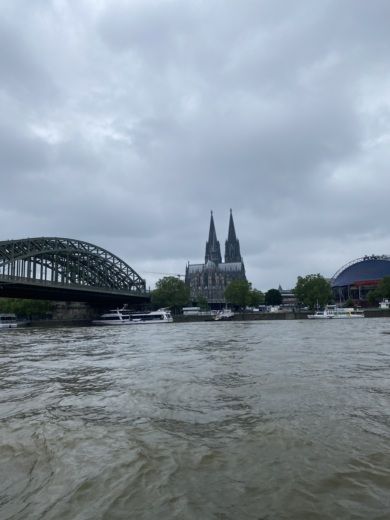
[224,315]
[8,321]
[334,312]
[126,317]
[320,315]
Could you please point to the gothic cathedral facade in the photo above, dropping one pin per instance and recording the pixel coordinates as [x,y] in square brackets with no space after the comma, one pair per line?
[209,280]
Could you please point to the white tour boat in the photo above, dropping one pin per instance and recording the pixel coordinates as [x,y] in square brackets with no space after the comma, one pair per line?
[224,315]
[320,315]
[334,312]
[8,321]
[126,317]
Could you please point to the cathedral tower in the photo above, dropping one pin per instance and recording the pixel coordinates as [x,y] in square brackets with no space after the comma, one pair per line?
[213,250]
[210,280]
[232,245]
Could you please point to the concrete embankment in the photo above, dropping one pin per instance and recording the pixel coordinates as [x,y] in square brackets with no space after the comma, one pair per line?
[261,316]
[255,316]
[248,316]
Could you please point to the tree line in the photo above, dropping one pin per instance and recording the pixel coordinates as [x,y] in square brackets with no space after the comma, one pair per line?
[174,293]
[312,291]
[26,308]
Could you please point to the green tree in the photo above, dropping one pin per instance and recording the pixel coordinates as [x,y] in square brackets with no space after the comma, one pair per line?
[26,308]
[273,297]
[374,297]
[313,290]
[202,303]
[380,292]
[384,287]
[256,298]
[238,293]
[171,292]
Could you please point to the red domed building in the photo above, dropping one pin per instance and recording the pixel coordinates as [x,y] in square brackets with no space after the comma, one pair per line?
[357,278]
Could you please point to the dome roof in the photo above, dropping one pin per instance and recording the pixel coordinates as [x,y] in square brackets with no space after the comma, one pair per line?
[366,269]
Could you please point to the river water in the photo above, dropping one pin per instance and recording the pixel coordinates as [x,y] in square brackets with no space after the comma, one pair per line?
[235,420]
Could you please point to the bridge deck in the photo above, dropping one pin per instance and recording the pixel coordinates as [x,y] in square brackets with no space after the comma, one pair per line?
[18,287]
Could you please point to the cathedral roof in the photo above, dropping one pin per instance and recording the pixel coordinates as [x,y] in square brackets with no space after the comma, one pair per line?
[231,266]
[223,267]
[195,268]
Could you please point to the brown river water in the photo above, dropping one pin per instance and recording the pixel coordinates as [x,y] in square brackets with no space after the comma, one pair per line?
[235,420]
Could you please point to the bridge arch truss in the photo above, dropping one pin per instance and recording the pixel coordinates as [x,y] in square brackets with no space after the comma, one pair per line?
[67,263]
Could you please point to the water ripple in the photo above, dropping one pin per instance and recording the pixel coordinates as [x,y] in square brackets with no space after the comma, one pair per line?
[268,420]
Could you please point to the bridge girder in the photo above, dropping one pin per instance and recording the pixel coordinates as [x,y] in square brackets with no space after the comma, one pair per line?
[67,265]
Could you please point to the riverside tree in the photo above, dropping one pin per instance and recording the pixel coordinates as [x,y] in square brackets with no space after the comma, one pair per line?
[171,292]
[239,294]
[381,292]
[313,290]
[26,308]
[256,298]
[273,297]
[202,303]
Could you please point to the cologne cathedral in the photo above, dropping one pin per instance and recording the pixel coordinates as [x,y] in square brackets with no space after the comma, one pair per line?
[209,280]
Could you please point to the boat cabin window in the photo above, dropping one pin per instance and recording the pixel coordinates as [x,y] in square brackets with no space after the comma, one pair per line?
[115,318]
[147,317]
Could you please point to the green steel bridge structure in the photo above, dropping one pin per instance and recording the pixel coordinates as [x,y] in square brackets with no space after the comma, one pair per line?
[65,269]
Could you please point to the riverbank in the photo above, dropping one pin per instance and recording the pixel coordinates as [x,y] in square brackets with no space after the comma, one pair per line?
[180,318]
[261,316]
[246,316]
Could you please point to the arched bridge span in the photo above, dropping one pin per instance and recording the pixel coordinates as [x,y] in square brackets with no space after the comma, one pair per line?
[66,269]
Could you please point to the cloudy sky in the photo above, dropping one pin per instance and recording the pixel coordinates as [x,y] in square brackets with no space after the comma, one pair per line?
[124,122]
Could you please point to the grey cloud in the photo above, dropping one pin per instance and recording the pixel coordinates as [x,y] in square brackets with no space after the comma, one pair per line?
[20,70]
[129,121]
[20,153]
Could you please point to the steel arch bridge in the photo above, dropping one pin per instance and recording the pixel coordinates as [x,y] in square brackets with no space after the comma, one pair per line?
[66,269]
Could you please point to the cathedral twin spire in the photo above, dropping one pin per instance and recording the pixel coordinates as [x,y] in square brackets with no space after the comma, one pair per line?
[213,250]
[232,245]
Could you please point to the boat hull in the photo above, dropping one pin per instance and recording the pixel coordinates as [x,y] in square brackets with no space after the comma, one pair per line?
[112,323]
[119,317]
[336,313]
[124,323]
[8,326]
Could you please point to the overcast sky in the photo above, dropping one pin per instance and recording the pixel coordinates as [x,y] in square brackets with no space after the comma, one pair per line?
[124,122]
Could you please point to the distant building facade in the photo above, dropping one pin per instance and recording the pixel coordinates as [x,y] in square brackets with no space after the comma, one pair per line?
[289,299]
[209,280]
[356,279]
